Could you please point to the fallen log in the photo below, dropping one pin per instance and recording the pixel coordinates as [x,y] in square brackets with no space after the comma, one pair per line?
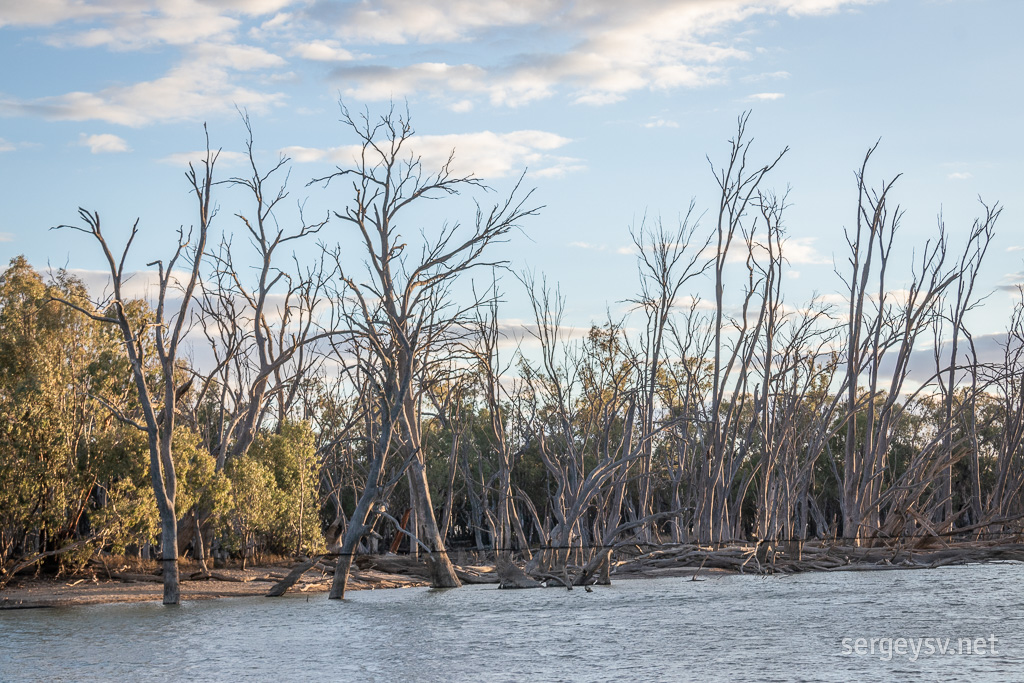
[511,576]
[282,586]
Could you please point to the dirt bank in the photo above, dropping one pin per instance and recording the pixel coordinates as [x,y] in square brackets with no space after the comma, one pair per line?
[108,582]
[95,587]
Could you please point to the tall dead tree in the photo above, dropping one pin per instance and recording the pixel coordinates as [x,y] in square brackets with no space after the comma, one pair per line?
[159,413]
[666,260]
[274,320]
[732,351]
[881,328]
[954,309]
[402,311]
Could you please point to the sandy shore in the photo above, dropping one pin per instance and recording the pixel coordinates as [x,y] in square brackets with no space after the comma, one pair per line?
[43,592]
[104,584]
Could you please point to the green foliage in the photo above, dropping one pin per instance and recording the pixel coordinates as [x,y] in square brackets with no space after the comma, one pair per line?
[275,493]
[47,421]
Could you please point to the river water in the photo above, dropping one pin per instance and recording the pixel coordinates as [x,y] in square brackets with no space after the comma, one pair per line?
[669,629]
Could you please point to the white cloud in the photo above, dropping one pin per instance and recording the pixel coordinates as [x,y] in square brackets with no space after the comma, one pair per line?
[429,21]
[623,251]
[658,122]
[377,83]
[103,143]
[122,25]
[1015,247]
[959,176]
[606,50]
[774,75]
[800,250]
[323,51]
[142,284]
[614,48]
[46,12]
[765,97]
[6,146]
[203,84]
[795,250]
[484,154]
[6,237]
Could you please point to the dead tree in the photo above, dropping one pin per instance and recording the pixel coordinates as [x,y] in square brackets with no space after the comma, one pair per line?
[583,412]
[1006,381]
[159,414]
[499,393]
[666,261]
[738,186]
[273,319]
[402,310]
[949,369]
[879,324]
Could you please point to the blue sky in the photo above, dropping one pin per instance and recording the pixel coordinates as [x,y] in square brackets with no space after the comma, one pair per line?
[611,106]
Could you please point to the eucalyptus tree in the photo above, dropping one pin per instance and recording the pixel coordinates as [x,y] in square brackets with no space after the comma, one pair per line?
[402,311]
[265,327]
[48,429]
[732,352]
[882,325]
[158,401]
[667,260]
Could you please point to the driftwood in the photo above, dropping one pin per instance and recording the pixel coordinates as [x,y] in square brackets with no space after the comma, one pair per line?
[7,575]
[137,578]
[282,586]
[511,576]
[476,574]
[821,556]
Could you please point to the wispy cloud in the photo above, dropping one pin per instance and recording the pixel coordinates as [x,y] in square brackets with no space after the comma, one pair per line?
[6,146]
[765,97]
[485,154]
[228,53]
[623,250]
[202,84]
[613,48]
[103,143]
[658,122]
[960,176]
[323,51]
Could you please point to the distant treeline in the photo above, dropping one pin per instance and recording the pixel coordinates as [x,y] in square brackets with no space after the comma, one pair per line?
[377,410]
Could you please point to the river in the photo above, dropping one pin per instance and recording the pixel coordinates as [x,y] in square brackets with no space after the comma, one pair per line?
[802,627]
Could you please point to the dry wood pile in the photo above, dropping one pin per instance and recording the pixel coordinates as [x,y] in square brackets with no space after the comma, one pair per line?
[787,558]
[385,571]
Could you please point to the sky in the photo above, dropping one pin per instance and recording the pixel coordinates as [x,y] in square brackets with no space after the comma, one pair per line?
[615,111]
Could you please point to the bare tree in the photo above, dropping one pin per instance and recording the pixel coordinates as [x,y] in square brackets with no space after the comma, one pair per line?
[272,321]
[879,323]
[738,186]
[168,331]
[403,312]
[954,311]
[666,261]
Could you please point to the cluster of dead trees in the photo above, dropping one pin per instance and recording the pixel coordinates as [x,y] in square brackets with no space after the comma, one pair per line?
[734,416]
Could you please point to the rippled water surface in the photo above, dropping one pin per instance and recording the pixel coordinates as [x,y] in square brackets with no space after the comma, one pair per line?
[722,628]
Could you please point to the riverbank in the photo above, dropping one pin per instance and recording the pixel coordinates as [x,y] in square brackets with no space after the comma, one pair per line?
[93,587]
[102,583]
